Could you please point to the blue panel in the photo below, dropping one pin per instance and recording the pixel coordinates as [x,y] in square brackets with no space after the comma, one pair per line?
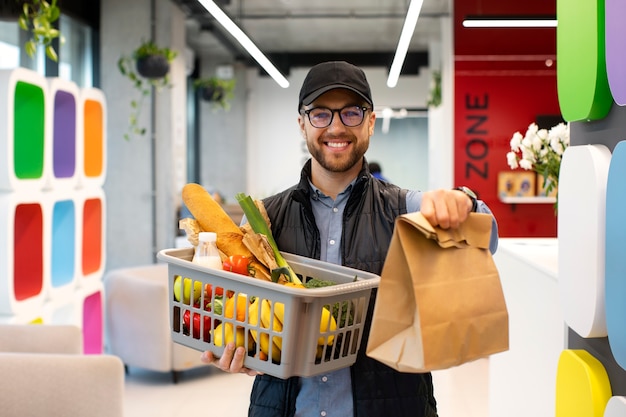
[63,243]
[615,278]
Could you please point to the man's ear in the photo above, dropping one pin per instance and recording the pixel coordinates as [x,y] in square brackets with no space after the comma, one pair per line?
[372,123]
[301,125]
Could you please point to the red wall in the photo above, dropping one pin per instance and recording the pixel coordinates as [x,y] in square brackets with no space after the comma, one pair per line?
[504,79]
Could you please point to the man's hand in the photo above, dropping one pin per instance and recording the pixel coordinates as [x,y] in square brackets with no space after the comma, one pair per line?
[231,361]
[446,208]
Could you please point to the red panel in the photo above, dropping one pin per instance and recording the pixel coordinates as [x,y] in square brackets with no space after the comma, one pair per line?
[92,236]
[28,251]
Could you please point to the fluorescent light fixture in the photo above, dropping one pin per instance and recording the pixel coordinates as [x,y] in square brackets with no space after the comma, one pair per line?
[509,22]
[245,41]
[403,44]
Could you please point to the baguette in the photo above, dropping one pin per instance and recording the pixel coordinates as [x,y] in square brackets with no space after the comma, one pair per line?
[212,218]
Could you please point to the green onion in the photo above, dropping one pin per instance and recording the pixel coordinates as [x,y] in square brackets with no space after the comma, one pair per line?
[258,224]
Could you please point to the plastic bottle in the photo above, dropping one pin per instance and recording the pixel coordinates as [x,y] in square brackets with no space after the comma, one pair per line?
[206,253]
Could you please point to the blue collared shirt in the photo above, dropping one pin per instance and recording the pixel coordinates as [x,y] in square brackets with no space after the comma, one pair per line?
[330,394]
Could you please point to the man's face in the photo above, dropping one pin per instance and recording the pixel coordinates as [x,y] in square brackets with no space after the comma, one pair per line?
[337,147]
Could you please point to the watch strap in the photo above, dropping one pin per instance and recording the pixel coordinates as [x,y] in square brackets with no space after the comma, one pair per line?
[471,194]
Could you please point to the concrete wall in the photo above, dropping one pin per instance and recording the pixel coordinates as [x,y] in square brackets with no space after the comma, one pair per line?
[137,182]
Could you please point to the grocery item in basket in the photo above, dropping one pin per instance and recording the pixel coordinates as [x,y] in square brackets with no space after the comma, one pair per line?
[207,253]
[212,218]
[184,286]
[260,225]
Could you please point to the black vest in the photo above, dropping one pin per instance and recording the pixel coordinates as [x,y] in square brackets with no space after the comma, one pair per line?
[368,223]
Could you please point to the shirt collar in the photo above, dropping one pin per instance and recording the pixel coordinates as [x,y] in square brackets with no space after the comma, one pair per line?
[318,194]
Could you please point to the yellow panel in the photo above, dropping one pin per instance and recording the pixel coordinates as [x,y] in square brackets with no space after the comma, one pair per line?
[582,385]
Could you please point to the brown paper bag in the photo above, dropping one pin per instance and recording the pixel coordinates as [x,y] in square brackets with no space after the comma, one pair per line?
[440,302]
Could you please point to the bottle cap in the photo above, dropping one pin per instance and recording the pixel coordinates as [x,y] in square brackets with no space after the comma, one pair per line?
[207,236]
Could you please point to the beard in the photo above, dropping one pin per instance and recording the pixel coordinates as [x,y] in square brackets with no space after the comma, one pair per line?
[335,162]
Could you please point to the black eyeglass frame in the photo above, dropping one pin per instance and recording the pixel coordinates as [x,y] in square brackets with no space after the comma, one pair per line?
[364,109]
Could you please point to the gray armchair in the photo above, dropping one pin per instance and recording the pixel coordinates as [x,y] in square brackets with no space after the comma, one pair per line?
[44,373]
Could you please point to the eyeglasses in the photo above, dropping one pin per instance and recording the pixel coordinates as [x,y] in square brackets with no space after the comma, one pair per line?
[350,116]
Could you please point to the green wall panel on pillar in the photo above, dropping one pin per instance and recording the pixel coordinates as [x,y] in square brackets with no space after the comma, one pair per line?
[29,131]
[583,87]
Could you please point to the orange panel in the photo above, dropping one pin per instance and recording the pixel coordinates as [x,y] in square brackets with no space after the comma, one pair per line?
[94,138]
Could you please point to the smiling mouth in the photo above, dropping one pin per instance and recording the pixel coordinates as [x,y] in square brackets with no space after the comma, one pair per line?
[337,144]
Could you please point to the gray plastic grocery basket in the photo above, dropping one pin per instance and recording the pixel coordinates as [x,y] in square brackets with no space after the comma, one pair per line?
[310,344]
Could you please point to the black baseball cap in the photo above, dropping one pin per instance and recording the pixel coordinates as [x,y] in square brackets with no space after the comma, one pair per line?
[330,75]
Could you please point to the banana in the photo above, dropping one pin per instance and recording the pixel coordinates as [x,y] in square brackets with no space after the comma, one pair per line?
[264,340]
[222,338]
[327,323]
[265,347]
[276,324]
[253,317]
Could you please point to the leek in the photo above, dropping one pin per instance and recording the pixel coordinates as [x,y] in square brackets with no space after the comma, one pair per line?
[258,224]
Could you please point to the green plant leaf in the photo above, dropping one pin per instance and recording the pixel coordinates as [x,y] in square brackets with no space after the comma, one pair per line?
[51,53]
[22,22]
[31,48]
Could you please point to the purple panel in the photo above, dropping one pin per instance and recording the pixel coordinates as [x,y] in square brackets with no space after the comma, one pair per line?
[615,33]
[64,135]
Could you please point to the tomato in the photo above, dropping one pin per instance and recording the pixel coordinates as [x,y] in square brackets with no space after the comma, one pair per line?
[238,264]
[208,294]
[208,291]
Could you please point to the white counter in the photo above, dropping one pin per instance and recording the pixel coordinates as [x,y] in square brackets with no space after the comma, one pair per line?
[521,381]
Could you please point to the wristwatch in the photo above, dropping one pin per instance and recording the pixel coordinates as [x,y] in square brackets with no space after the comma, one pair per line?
[471,194]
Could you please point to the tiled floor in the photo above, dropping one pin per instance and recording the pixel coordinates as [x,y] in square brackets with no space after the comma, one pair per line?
[207,392]
[200,392]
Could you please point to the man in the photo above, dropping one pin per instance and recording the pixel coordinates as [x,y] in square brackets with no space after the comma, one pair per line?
[377,171]
[334,214]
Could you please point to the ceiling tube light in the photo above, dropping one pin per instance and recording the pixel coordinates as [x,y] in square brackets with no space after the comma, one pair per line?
[403,44]
[509,22]
[245,41]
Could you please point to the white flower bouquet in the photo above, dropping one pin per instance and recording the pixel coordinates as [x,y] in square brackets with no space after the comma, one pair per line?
[540,150]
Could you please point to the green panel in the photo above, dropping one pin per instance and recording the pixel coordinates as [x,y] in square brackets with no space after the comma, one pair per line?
[583,87]
[29,132]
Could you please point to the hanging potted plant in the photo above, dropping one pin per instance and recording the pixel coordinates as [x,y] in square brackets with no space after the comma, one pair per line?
[37,18]
[147,67]
[216,90]
[152,61]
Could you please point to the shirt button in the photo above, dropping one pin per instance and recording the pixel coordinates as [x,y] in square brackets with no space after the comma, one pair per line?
[323,413]
[332,241]
[335,209]
[324,378]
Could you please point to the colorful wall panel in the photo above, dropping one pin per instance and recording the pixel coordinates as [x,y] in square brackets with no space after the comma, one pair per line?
[91,258]
[92,155]
[23,252]
[615,260]
[65,233]
[581,238]
[52,205]
[24,127]
[64,102]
